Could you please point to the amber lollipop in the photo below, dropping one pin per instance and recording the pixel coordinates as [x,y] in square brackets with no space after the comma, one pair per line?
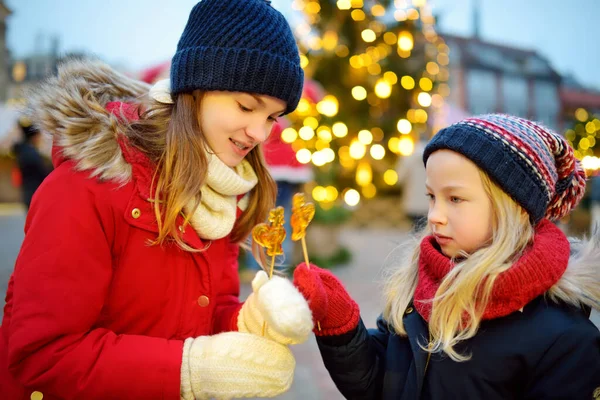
[270,236]
[302,214]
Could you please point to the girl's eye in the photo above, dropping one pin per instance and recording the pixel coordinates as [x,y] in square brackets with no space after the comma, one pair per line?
[272,119]
[244,109]
[431,196]
[455,199]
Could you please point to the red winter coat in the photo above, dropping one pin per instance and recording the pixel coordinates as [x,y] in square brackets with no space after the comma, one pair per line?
[92,310]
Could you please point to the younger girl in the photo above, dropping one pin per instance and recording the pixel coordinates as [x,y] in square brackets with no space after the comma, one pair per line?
[126,284]
[493,303]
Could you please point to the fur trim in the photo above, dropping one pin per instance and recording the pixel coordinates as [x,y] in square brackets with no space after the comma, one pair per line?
[580,284]
[72,108]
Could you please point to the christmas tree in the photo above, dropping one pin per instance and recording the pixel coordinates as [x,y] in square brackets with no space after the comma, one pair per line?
[378,68]
[584,129]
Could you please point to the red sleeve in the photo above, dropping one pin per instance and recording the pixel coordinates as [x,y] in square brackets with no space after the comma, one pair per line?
[61,278]
[228,303]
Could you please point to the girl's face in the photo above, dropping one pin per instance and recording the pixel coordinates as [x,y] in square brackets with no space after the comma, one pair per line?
[234,123]
[460,211]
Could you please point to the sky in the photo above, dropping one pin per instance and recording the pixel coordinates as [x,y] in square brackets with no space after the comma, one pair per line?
[135,34]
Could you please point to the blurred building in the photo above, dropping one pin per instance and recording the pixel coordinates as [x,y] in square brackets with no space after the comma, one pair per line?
[488,77]
[4,55]
[574,95]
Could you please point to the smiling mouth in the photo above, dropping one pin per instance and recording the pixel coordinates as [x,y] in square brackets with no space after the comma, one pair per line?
[240,145]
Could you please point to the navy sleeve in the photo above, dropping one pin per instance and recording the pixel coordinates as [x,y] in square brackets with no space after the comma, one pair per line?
[570,369]
[357,367]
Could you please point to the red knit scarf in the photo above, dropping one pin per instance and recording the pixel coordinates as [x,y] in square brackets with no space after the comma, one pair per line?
[536,271]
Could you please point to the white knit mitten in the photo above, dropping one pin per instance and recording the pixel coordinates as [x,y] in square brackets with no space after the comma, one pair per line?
[233,365]
[280,304]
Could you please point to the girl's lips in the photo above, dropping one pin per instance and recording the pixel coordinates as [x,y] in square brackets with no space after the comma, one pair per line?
[241,152]
[441,239]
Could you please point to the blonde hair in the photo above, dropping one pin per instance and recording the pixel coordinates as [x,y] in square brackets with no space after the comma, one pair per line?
[170,135]
[466,290]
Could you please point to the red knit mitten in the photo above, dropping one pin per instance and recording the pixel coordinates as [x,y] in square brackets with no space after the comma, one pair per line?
[331,305]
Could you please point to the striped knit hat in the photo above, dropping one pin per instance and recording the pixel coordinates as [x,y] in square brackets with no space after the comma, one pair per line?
[238,46]
[531,163]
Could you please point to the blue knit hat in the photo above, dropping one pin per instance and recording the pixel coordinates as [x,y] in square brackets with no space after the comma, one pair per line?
[531,163]
[239,46]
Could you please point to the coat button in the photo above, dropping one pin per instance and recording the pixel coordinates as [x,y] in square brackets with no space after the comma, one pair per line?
[135,213]
[203,301]
[409,310]
[36,395]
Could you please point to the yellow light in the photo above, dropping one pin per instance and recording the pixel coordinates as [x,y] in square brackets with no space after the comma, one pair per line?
[584,144]
[407,82]
[358,15]
[357,3]
[303,61]
[352,197]
[405,41]
[324,133]
[19,71]
[320,145]
[424,99]
[331,193]
[306,133]
[303,156]
[315,43]
[365,137]
[312,122]
[377,152]
[339,129]
[393,144]
[357,150]
[319,193]
[390,177]
[432,68]
[364,174]
[443,59]
[383,89]
[404,126]
[368,35]
[413,14]
[570,135]
[590,127]
[356,62]
[374,69]
[421,116]
[437,100]
[378,10]
[591,163]
[390,77]
[406,146]
[344,4]
[329,154]
[359,93]
[303,107]
[328,106]
[426,84]
[342,51]
[313,7]
[330,40]
[377,134]
[369,191]
[318,159]
[289,135]
[419,3]
[400,15]
[390,38]
[581,115]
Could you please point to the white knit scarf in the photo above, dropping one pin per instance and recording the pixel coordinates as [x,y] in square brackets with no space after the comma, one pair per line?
[215,216]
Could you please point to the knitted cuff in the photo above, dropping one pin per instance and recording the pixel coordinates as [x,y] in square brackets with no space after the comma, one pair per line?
[186,385]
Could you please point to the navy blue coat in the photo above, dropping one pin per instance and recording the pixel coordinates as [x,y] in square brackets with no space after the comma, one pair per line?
[547,351]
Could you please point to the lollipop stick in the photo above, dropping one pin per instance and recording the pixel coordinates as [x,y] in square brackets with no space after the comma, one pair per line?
[264,327]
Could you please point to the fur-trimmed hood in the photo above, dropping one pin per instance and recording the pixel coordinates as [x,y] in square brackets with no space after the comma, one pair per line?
[580,284]
[72,107]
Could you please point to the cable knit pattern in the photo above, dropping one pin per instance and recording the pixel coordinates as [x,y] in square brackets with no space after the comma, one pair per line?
[233,365]
[280,304]
[536,271]
[215,216]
